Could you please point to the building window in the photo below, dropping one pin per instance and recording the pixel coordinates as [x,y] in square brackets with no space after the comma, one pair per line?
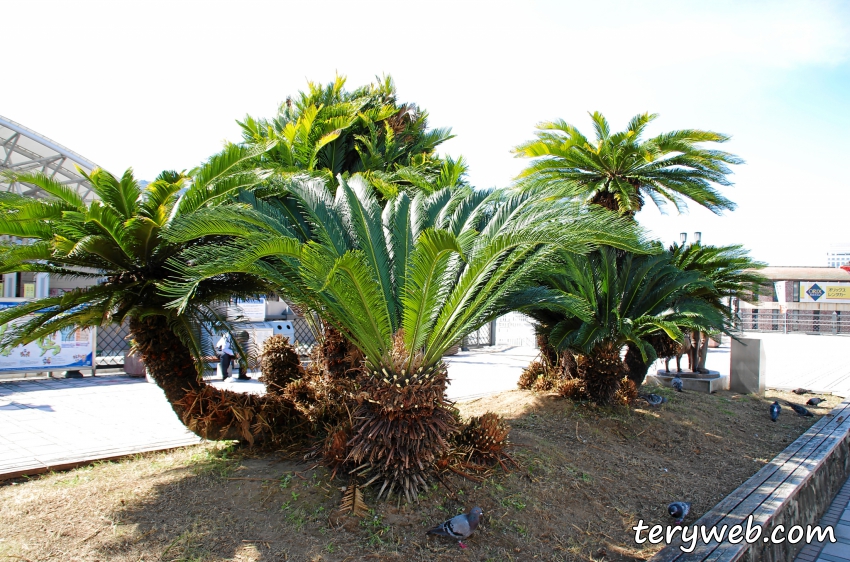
[795,291]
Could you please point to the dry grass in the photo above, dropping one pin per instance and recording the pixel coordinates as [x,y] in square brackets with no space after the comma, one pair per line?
[588,475]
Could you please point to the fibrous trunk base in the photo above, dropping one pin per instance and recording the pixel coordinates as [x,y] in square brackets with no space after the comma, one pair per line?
[402,427]
[602,371]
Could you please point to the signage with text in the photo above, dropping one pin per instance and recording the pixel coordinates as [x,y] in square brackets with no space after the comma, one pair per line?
[824,291]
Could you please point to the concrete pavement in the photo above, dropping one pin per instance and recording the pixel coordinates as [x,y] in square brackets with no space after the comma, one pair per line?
[54,423]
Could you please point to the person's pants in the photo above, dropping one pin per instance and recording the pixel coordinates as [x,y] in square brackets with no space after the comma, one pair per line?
[224,361]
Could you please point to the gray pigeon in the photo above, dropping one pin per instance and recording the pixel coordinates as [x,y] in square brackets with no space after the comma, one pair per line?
[460,526]
[801,411]
[774,410]
[679,510]
[814,401]
[801,391]
[677,383]
[653,399]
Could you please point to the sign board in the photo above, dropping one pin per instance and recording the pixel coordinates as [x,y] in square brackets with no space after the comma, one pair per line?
[824,291]
[65,350]
[250,310]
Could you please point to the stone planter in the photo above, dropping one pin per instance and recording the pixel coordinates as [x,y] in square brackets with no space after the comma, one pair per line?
[134,366]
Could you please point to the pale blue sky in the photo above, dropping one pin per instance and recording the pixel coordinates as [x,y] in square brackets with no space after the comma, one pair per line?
[158,85]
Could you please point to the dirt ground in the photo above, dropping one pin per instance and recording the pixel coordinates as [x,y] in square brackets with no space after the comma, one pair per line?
[588,475]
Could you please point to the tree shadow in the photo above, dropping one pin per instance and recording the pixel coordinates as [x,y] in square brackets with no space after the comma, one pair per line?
[221,508]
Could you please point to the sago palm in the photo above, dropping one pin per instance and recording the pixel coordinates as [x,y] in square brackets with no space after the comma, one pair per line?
[732,274]
[402,281]
[120,241]
[329,131]
[595,305]
[619,170]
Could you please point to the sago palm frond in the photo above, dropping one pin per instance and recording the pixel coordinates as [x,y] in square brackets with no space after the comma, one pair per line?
[620,170]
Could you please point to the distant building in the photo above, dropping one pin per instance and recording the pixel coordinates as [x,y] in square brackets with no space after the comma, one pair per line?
[838,255]
[800,299]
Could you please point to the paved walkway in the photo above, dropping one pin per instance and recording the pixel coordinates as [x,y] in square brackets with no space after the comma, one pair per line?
[486,370]
[56,423]
[49,424]
[53,424]
[838,516]
[818,363]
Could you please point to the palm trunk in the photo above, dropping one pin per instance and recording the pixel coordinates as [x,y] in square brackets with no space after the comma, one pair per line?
[602,371]
[636,369]
[169,362]
[402,428]
[205,410]
[703,354]
[693,352]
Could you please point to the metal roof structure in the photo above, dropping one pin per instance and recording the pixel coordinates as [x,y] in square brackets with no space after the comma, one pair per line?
[805,274]
[24,150]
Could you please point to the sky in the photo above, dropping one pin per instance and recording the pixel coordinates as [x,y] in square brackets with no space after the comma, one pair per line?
[159,85]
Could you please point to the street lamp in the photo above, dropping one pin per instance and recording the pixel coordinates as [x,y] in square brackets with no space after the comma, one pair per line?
[684,238]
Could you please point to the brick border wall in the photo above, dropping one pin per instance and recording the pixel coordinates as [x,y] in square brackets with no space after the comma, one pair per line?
[795,488]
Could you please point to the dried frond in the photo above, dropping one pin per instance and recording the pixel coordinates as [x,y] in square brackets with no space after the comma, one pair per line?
[352,500]
[530,374]
[573,389]
[335,446]
[627,393]
[543,383]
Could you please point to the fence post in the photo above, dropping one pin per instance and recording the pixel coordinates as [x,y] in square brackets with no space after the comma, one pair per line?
[834,322]
[493,331]
[786,323]
[94,351]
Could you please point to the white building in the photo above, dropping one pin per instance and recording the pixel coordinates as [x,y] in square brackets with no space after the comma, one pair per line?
[838,255]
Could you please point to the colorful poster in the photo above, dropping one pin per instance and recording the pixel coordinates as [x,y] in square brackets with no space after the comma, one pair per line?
[67,349]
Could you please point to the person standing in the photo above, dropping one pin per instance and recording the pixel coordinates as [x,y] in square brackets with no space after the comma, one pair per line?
[226,354]
[225,347]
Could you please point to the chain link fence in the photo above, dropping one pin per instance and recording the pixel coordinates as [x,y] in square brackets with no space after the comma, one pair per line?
[113,343]
[825,322]
[305,339]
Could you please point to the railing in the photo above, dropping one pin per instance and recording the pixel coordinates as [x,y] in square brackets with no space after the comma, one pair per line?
[824,322]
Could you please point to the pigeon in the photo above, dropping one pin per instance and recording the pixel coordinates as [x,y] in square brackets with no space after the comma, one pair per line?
[814,401]
[460,526]
[801,391]
[653,399]
[677,383]
[679,510]
[801,411]
[774,410]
